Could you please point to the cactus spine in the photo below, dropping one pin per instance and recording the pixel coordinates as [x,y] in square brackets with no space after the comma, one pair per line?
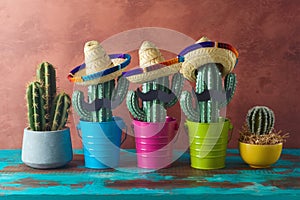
[100,91]
[46,111]
[208,79]
[260,120]
[154,111]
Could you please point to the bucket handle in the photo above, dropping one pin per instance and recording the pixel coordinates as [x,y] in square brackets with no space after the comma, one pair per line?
[125,135]
[78,128]
[231,131]
[177,132]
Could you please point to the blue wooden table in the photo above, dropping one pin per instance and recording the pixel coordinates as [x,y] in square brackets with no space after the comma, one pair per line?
[236,181]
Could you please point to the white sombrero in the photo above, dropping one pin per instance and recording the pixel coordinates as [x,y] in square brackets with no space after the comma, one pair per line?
[98,67]
[152,65]
[205,51]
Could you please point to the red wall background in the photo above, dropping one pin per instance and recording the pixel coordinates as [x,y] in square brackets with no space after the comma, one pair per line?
[265,32]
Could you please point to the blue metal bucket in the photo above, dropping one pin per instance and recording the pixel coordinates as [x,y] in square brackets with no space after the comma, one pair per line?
[101,143]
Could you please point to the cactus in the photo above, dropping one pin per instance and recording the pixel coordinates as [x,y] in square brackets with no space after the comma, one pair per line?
[36,105]
[209,83]
[103,97]
[59,111]
[46,111]
[47,77]
[155,110]
[100,91]
[260,120]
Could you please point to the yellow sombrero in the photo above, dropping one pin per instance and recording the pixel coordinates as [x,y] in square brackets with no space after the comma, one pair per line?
[99,67]
[152,65]
[205,51]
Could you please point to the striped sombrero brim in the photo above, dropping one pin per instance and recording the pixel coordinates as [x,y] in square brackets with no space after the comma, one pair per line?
[203,53]
[119,63]
[166,68]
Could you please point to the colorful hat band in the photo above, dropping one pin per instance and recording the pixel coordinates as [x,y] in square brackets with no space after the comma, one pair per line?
[100,73]
[207,45]
[160,65]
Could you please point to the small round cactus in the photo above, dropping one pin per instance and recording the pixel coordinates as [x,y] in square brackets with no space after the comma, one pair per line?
[260,120]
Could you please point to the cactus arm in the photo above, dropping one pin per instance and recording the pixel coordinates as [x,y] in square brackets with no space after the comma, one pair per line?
[65,110]
[47,76]
[36,105]
[120,92]
[215,83]
[133,106]
[230,86]
[177,84]
[187,106]
[59,111]
[30,106]
[77,99]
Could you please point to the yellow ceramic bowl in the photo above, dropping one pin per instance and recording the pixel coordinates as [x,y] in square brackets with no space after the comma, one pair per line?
[260,156]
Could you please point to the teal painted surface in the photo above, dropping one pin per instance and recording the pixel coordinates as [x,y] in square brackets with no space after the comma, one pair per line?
[74,181]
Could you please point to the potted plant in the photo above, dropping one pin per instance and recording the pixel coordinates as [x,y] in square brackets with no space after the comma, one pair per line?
[47,141]
[260,144]
[101,131]
[153,129]
[208,132]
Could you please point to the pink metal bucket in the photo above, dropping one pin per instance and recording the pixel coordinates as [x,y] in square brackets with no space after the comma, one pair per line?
[154,143]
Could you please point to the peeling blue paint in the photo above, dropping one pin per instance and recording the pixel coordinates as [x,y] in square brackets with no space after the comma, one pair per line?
[180,181]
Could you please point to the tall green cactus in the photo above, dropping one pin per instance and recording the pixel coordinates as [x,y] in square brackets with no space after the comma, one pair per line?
[46,111]
[36,107]
[46,75]
[260,120]
[208,80]
[155,110]
[104,90]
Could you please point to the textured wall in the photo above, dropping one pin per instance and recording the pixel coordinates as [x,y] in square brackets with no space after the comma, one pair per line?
[266,33]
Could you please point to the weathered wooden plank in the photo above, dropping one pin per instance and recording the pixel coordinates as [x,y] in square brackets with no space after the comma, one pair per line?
[74,181]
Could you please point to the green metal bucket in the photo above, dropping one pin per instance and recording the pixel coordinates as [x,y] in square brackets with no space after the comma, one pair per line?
[208,143]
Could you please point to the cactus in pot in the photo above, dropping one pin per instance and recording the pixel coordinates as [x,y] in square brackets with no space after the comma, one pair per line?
[148,104]
[154,110]
[210,96]
[106,89]
[260,145]
[47,116]
[259,128]
[209,64]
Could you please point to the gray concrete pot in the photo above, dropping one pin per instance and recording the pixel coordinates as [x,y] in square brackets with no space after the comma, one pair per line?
[47,149]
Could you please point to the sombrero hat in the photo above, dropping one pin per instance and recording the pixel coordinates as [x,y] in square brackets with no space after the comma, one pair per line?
[152,65]
[205,51]
[98,67]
